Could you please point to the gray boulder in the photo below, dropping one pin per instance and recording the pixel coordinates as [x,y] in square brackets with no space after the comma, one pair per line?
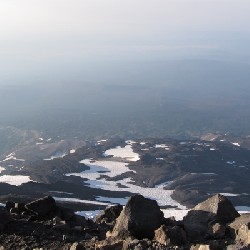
[171,236]
[42,207]
[197,224]
[109,215]
[5,218]
[240,229]
[205,219]
[139,218]
[220,206]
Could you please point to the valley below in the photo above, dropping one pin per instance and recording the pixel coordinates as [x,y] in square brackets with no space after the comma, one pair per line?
[91,175]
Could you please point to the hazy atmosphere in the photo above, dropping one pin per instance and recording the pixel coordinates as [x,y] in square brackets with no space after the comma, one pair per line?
[164,67]
[62,40]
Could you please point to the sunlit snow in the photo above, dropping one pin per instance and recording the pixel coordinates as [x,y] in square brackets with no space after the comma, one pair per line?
[1,169]
[89,214]
[15,180]
[121,201]
[243,209]
[126,153]
[116,168]
[236,144]
[55,156]
[80,201]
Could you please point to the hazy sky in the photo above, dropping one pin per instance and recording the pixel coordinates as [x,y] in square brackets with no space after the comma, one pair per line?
[43,35]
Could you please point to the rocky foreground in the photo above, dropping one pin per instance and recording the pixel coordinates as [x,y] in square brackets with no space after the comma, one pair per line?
[42,224]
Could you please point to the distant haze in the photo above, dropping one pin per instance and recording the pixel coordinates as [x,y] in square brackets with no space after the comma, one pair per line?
[127,68]
[51,40]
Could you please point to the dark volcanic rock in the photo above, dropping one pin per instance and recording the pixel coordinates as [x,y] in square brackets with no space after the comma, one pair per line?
[4,218]
[240,229]
[43,207]
[221,206]
[196,224]
[140,218]
[109,215]
[201,221]
[171,236]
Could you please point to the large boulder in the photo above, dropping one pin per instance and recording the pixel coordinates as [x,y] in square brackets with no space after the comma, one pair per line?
[42,207]
[205,219]
[171,236]
[139,218]
[109,215]
[221,206]
[197,224]
[240,229]
[5,218]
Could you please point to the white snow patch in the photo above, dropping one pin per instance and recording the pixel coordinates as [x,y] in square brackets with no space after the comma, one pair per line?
[222,140]
[80,201]
[89,214]
[41,139]
[142,143]
[2,169]
[55,156]
[161,146]
[111,168]
[12,157]
[161,159]
[60,192]
[231,162]
[15,180]
[243,209]
[49,139]
[229,194]
[145,149]
[102,141]
[212,149]
[209,173]
[121,201]
[183,143]
[95,180]
[72,151]
[177,213]
[39,143]
[2,205]
[126,153]
[236,144]
[130,142]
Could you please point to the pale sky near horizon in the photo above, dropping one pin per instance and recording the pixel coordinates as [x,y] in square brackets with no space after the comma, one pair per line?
[35,33]
[50,18]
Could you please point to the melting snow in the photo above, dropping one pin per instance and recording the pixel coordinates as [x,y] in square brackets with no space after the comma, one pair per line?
[130,142]
[126,153]
[116,168]
[243,209]
[162,146]
[80,201]
[121,201]
[12,157]
[60,192]
[15,180]
[229,194]
[177,213]
[89,214]
[111,168]
[57,155]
